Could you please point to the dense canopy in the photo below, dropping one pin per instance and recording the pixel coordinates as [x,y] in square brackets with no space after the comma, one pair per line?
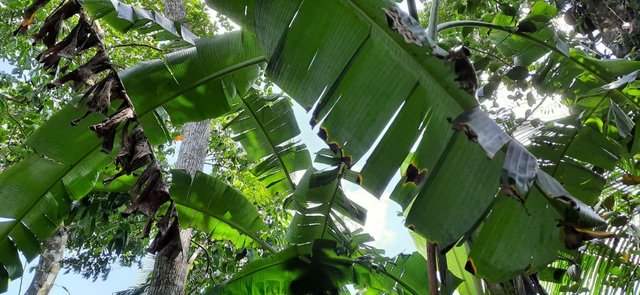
[504,130]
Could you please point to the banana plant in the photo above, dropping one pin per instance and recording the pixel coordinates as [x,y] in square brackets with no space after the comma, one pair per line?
[67,159]
[323,254]
[125,17]
[267,129]
[361,55]
[358,54]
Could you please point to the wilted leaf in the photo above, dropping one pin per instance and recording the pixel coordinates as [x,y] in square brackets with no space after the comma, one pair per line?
[574,236]
[519,170]
[571,209]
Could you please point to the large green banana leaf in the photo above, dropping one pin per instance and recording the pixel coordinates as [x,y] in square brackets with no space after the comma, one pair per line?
[214,207]
[290,272]
[342,60]
[562,145]
[187,82]
[318,200]
[67,159]
[267,130]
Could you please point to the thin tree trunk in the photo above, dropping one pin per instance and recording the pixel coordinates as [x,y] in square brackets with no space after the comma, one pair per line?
[49,264]
[170,276]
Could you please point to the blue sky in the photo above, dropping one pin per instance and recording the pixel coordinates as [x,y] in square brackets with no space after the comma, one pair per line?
[4,67]
[383,223]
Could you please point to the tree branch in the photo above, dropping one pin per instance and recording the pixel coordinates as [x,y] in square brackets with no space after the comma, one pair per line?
[137,45]
[433,19]
[193,258]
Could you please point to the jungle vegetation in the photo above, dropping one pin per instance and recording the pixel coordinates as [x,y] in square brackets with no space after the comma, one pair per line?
[514,157]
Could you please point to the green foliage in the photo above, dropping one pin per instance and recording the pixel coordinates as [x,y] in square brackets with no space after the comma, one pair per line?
[214,207]
[391,83]
[65,176]
[266,128]
[222,67]
[97,215]
[362,55]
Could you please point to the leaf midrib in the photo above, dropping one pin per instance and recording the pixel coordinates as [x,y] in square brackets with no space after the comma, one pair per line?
[218,74]
[435,77]
[270,142]
[232,224]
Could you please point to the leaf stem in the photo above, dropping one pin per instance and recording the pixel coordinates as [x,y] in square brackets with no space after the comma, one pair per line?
[218,74]
[413,11]
[526,118]
[431,261]
[209,271]
[395,279]
[270,141]
[327,215]
[566,147]
[433,20]
[137,45]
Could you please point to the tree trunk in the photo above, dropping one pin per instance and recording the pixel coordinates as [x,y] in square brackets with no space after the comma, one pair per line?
[49,264]
[170,276]
[174,9]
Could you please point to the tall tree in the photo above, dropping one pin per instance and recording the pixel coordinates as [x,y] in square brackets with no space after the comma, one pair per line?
[170,275]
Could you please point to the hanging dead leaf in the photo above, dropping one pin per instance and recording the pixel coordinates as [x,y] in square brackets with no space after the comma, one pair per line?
[86,72]
[106,130]
[135,151]
[78,40]
[150,192]
[465,72]
[49,31]
[167,242]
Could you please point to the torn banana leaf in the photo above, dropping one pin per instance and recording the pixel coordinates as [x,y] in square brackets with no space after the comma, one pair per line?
[268,131]
[125,17]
